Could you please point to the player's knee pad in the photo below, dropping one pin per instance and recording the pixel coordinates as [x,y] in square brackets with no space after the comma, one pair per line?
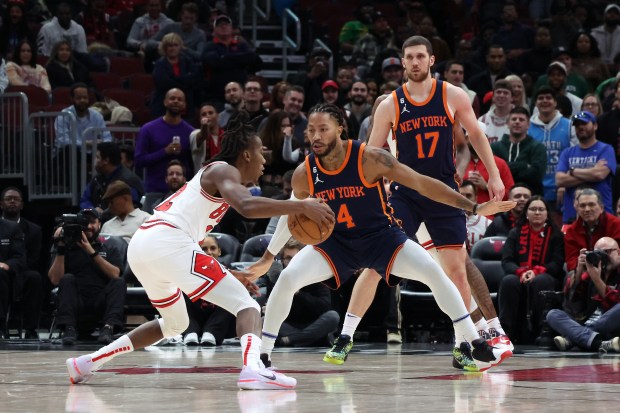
[174,323]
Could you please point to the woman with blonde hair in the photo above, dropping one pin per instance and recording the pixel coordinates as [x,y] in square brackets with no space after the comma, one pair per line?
[592,104]
[174,69]
[518,91]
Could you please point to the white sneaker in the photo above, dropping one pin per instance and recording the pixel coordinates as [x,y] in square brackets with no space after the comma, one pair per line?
[208,339]
[394,337]
[264,379]
[175,340]
[80,369]
[610,346]
[562,343]
[191,339]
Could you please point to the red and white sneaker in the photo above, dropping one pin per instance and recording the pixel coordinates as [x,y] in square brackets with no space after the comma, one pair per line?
[264,379]
[80,369]
[501,340]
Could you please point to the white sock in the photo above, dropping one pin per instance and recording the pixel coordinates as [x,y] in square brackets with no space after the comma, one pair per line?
[268,341]
[494,323]
[473,305]
[120,346]
[481,326]
[250,351]
[351,321]
[464,330]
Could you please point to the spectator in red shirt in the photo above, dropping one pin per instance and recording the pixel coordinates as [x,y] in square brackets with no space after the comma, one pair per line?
[592,224]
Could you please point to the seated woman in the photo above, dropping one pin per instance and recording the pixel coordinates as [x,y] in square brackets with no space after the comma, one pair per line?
[23,70]
[532,259]
[63,70]
[209,324]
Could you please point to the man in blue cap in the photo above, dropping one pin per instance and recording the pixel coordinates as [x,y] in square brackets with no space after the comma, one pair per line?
[591,164]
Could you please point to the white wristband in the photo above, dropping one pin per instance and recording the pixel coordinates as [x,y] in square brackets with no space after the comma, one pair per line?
[282,234]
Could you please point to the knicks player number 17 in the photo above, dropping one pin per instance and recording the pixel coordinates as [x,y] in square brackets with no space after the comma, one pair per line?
[428,135]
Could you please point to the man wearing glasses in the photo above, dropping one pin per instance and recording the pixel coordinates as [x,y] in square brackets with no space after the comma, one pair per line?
[596,325]
[591,163]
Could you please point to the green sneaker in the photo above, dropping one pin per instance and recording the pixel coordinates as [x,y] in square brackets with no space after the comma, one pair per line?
[462,358]
[340,351]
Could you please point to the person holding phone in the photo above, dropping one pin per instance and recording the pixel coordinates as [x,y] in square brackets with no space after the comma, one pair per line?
[162,140]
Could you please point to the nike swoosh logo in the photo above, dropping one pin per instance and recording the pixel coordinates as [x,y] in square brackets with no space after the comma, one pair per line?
[272,377]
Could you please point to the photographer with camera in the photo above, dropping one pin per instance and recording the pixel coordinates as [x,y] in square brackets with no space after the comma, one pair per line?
[590,318]
[88,275]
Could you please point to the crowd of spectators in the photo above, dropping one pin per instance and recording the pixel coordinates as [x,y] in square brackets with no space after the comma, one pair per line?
[543,78]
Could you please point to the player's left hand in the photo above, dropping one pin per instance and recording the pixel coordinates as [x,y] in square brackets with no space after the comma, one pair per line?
[494,207]
[496,189]
[245,277]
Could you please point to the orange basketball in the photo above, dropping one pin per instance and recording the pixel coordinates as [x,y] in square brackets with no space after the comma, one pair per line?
[307,231]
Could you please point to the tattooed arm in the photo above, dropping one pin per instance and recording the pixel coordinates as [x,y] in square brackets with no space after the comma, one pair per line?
[379,162]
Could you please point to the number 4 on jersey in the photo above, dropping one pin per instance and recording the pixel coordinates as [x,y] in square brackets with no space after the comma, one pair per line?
[344,216]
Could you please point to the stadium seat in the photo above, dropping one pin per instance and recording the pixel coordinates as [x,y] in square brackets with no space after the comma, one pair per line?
[37,97]
[62,96]
[125,66]
[230,246]
[486,254]
[254,247]
[142,82]
[150,200]
[131,99]
[489,248]
[103,81]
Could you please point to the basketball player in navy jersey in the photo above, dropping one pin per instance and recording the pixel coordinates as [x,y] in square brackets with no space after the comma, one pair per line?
[420,116]
[348,175]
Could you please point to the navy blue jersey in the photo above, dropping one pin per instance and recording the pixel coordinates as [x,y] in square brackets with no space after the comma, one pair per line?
[360,206]
[365,235]
[423,134]
[425,142]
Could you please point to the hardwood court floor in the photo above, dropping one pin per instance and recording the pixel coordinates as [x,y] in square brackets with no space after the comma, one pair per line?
[376,378]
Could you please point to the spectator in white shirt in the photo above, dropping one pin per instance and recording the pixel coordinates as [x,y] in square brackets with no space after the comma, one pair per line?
[61,27]
[127,219]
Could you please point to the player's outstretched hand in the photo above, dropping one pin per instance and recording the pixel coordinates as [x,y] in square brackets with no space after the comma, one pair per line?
[246,277]
[318,211]
[493,207]
[260,267]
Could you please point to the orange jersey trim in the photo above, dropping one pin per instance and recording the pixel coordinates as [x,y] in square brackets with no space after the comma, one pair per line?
[451,247]
[444,97]
[388,270]
[341,167]
[332,266]
[309,176]
[428,98]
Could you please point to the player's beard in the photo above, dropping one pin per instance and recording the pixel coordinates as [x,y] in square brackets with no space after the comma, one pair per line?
[328,149]
[420,76]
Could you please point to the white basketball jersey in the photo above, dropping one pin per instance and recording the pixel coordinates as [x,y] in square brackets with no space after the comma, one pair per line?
[191,209]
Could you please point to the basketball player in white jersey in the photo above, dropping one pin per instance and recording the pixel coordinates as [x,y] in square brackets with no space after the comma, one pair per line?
[166,257]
